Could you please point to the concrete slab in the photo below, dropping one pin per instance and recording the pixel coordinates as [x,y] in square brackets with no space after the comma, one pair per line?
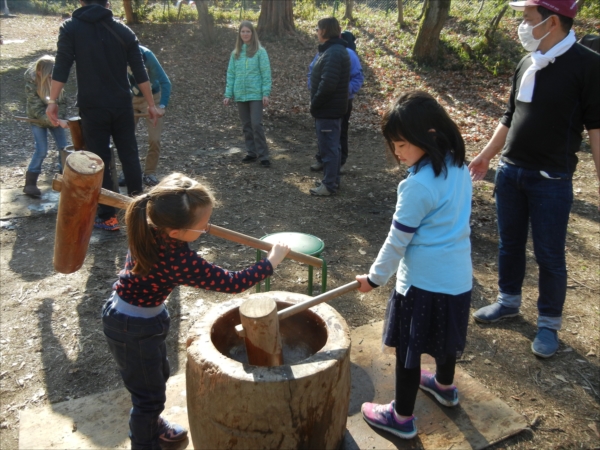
[478,421]
[101,420]
[14,203]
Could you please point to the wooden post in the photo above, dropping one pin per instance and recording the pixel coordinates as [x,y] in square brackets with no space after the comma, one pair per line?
[76,132]
[263,341]
[82,181]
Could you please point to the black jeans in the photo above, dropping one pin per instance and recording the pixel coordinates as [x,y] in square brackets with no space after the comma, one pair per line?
[407,382]
[344,132]
[138,347]
[99,124]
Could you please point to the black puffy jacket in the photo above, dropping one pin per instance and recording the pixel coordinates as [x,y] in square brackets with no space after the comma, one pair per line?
[101,57]
[329,81]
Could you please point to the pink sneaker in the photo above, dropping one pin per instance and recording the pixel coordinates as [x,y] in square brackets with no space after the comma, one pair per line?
[382,416]
[447,397]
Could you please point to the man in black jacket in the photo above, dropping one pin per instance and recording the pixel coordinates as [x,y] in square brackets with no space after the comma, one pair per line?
[103,48]
[329,83]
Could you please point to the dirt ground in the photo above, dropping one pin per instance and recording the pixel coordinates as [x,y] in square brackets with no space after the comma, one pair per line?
[51,342]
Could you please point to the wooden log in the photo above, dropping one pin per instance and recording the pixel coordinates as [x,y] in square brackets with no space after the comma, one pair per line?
[303,306]
[263,341]
[121,201]
[234,405]
[76,133]
[82,181]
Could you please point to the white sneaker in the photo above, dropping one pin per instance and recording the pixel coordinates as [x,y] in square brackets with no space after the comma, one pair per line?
[321,191]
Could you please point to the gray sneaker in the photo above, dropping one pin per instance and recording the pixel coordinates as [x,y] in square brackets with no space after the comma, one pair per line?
[321,191]
[494,312]
[150,180]
[316,167]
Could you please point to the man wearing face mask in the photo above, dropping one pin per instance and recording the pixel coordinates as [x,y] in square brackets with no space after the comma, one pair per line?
[555,94]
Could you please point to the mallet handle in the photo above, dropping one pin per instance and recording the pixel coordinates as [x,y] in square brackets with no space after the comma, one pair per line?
[27,119]
[121,201]
[303,306]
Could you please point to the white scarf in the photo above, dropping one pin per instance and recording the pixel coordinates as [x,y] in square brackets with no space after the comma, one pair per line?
[541,60]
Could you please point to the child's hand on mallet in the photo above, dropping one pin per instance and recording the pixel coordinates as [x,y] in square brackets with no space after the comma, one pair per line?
[364,284]
[277,253]
[63,123]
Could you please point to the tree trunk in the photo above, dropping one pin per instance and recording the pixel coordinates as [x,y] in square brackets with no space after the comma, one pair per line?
[423,9]
[127,6]
[428,38]
[489,33]
[276,18]
[400,13]
[207,22]
[349,8]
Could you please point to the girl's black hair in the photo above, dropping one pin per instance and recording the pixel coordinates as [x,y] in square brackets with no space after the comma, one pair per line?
[416,117]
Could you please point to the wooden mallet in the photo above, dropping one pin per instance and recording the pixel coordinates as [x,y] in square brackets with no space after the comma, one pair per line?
[80,188]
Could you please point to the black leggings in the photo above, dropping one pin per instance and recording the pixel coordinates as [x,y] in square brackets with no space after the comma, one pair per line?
[407,382]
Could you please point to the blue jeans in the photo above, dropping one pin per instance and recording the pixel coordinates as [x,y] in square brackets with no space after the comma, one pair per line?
[527,196]
[40,135]
[138,347]
[328,140]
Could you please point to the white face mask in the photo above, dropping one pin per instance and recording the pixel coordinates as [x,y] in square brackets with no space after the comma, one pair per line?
[528,42]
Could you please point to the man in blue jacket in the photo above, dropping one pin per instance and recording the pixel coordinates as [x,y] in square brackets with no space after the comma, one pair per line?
[161,92]
[356,82]
[103,48]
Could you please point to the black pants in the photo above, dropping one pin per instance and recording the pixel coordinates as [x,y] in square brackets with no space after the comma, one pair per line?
[99,124]
[344,133]
[407,382]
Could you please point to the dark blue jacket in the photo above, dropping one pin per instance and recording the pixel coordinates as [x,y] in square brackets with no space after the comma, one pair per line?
[329,81]
[101,58]
[356,73]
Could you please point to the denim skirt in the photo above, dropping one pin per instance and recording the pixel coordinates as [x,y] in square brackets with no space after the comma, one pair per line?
[426,322]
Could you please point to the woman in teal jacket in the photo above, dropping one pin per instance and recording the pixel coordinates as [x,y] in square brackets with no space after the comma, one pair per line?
[249,84]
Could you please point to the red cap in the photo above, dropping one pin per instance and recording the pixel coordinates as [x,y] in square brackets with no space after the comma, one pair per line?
[567,8]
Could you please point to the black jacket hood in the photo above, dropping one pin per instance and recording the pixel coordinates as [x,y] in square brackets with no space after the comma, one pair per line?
[92,13]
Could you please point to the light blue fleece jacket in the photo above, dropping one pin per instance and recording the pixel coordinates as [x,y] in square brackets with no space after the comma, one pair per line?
[428,245]
[248,79]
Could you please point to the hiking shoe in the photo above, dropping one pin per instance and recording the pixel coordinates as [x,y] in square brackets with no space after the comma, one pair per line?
[170,432]
[122,180]
[316,167]
[545,343]
[150,180]
[265,163]
[447,397]
[382,416]
[111,224]
[321,191]
[494,312]
[249,159]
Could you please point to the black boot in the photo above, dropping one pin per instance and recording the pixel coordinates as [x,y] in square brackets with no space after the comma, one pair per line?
[31,188]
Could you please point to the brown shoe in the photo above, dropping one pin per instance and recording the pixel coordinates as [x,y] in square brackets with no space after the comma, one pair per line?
[31,188]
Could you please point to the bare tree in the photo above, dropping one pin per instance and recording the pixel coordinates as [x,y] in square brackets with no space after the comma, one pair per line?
[428,38]
[129,15]
[400,13]
[206,19]
[349,9]
[276,18]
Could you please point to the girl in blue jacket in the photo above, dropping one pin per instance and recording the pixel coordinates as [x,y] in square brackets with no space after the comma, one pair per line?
[429,249]
[249,84]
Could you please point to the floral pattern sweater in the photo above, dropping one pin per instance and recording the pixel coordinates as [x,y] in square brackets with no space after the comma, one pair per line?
[180,265]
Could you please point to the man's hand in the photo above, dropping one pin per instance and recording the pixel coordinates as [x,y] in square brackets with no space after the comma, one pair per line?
[479,167]
[52,113]
[364,284]
[153,113]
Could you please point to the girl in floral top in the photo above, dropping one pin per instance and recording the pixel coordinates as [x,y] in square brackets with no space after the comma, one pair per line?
[160,226]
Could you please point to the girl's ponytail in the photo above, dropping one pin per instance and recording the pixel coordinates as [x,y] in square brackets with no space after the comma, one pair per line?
[142,244]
